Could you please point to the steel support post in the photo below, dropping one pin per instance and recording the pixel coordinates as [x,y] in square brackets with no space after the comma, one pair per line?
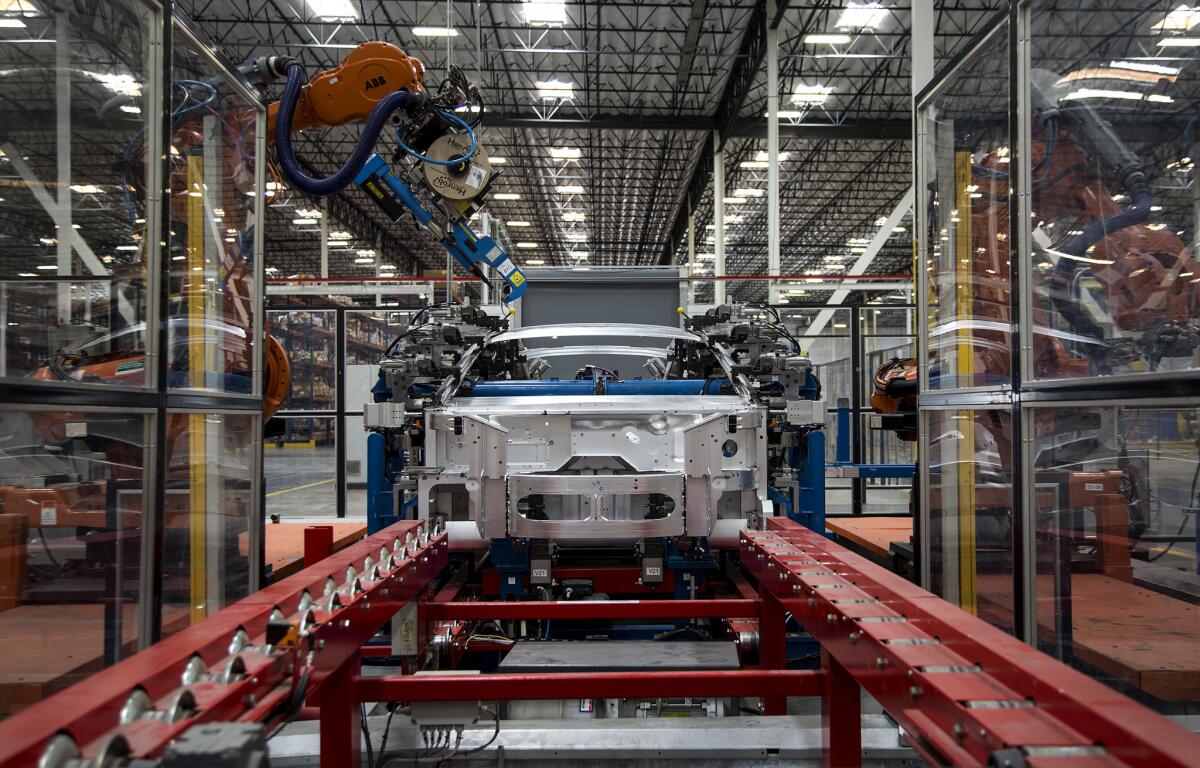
[772,645]
[341,718]
[841,715]
[718,219]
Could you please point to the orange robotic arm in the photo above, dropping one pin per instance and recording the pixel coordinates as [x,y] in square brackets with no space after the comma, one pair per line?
[348,92]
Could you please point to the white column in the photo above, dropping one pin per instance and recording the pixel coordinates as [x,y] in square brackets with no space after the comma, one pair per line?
[718,219]
[324,238]
[691,246]
[772,145]
[485,286]
[921,45]
[64,233]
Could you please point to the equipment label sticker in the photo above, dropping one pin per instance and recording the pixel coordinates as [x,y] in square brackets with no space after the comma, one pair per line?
[475,177]
[1093,487]
[49,515]
[517,280]
[653,571]
[541,573]
[506,267]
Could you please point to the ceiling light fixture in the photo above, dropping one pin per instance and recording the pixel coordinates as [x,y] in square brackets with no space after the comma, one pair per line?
[566,153]
[498,160]
[507,196]
[754,165]
[1181,19]
[574,216]
[811,94]
[434,32]
[827,39]
[763,157]
[786,114]
[570,189]
[1139,66]
[12,24]
[551,90]
[86,189]
[333,10]
[527,244]
[1179,42]
[749,192]
[545,13]
[534,262]
[1102,93]
[862,16]
[577,254]
[519,224]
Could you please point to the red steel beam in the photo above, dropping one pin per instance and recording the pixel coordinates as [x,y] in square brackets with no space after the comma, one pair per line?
[351,599]
[962,689]
[601,685]
[589,609]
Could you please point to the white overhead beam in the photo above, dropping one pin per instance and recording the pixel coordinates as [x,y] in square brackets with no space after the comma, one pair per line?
[863,263]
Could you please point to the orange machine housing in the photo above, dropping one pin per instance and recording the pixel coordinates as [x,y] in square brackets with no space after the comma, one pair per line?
[349,91]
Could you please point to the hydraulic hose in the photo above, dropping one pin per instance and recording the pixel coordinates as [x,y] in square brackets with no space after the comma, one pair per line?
[362,150]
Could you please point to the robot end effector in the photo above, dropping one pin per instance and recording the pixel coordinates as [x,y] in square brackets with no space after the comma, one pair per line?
[446,172]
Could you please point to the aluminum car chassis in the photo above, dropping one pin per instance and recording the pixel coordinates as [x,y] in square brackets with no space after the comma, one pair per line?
[964,692]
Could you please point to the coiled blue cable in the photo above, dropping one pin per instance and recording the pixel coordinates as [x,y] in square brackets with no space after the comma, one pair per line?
[341,178]
[452,161]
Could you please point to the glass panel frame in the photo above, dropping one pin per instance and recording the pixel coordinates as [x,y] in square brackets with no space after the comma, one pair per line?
[1029,341]
[74,246]
[186,39]
[966,589]
[998,35]
[1100,506]
[105,453]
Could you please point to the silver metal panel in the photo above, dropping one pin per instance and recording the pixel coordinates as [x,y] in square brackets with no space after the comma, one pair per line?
[574,330]
[600,456]
[619,656]
[596,506]
[598,404]
[543,352]
[783,741]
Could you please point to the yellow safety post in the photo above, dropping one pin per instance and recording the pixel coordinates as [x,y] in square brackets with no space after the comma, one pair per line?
[194,296]
[964,284]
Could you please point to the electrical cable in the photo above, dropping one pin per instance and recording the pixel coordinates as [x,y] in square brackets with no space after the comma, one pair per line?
[362,722]
[46,548]
[387,726]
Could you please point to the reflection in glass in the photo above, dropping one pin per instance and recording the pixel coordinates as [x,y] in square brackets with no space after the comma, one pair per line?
[1116,498]
[1116,287]
[970,511]
[213,204]
[74,204]
[209,510]
[300,468]
[70,547]
[309,343]
[964,194]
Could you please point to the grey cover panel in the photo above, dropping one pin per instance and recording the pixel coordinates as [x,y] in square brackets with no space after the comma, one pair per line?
[619,656]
